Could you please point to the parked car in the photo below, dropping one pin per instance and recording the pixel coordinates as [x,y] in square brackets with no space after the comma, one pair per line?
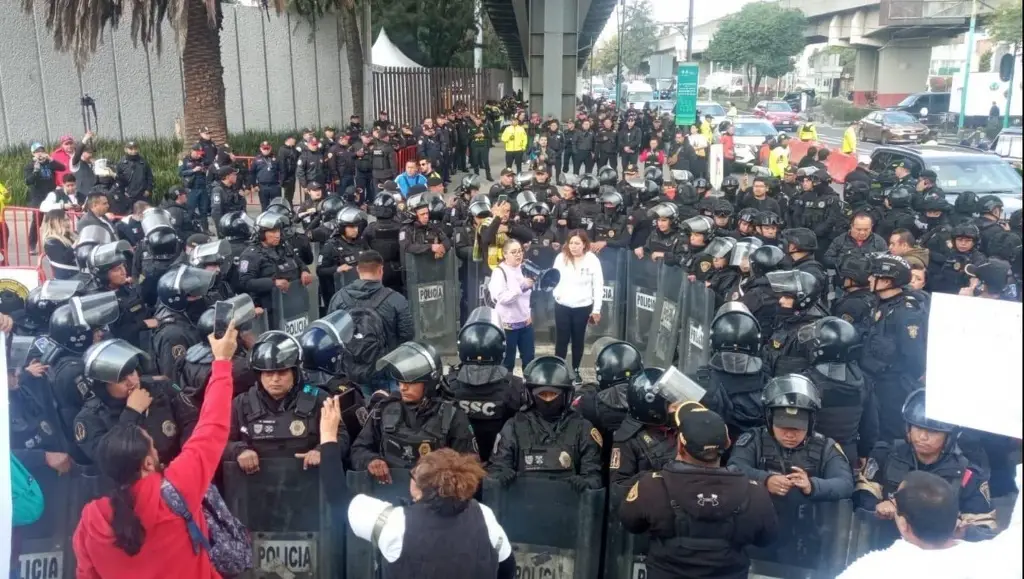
[1008,146]
[750,134]
[891,127]
[711,108]
[779,114]
[923,104]
[794,99]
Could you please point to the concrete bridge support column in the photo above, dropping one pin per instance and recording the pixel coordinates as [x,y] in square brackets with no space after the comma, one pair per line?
[553,49]
[902,70]
[865,79]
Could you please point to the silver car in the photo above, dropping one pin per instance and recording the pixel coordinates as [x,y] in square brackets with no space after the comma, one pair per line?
[750,134]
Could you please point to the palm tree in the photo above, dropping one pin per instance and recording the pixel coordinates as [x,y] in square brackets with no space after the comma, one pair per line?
[78,25]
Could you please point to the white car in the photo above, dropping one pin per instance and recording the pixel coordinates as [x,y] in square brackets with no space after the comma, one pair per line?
[750,134]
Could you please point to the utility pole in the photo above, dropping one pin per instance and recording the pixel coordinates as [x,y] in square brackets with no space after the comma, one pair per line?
[689,34]
[618,65]
[967,64]
[1009,87]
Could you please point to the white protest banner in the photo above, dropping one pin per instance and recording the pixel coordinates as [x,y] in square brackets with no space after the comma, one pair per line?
[6,506]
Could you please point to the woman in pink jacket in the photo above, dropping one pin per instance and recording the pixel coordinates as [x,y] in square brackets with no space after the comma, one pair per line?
[511,292]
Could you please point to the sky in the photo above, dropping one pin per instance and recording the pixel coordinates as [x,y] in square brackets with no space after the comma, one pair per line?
[676,11]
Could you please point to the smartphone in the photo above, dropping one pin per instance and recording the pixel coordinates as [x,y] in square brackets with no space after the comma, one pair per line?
[222,312]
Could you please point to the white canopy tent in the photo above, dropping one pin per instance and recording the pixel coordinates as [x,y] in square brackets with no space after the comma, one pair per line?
[386,54]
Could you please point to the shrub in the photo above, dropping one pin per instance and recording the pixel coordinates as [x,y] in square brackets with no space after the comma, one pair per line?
[843,111]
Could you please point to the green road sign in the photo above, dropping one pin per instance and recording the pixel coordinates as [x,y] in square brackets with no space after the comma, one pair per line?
[686,93]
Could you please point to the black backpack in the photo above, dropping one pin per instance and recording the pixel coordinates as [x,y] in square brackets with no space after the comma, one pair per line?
[369,340]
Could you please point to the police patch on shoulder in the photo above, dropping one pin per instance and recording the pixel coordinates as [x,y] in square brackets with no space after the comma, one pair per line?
[634,493]
[243,266]
[169,428]
[362,414]
[616,459]
[79,432]
[178,351]
[847,317]
[705,266]
[912,331]
[596,435]
[744,439]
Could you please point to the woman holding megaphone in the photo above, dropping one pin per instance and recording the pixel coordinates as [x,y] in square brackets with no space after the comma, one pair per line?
[511,290]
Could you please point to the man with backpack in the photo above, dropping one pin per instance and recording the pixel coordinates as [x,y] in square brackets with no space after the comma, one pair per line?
[382,321]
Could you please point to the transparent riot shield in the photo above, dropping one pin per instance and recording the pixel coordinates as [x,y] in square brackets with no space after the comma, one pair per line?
[542,304]
[344,278]
[814,541]
[625,554]
[695,326]
[361,559]
[45,548]
[613,309]
[433,288]
[290,309]
[668,309]
[478,275]
[558,537]
[294,538]
[313,291]
[641,295]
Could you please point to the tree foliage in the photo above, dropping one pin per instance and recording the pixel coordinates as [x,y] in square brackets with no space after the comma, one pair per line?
[985,61]
[605,56]
[639,34]
[762,38]
[434,34]
[494,52]
[1005,24]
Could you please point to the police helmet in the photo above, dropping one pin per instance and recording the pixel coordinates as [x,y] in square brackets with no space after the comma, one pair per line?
[271,221]
[855,192]
[610,196]
[181,283]
[275,350]
[686,194]
[856,268]
[615,361]
[914,415]
[730,185]
[104,258]
[281,206]
[720,247]
[654,174]
[743,249]
[682,176]
[207,321]
[765,259]
[892,267]
[721,208]
[538,209]
[769,218]
[72,324]
[154,218]
[934,203]
[968,230]
[524,201]
[664,210]
[653,391]
[735,329]
[417,201]
[413,362]
[804,288]
[587,187]
[213,253]
[324,341]
[331,206]
[480,206]
[791,401]
[701,183]
[548,372]
[801,238]
[649,190]
[236,226]
[900,197]
[832,341]
[384,207]
[351,216]
[482,338]
[989,204]
[90,236]
[470,184]
[699,224]
[42,300]
[163,243]
[966,203]
[111,361]
[173,192]
[876,196]
[748,215]
[607,176]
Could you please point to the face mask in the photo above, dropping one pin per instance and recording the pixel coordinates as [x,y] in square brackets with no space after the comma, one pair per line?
[550,410]
[195,309]
[539,226]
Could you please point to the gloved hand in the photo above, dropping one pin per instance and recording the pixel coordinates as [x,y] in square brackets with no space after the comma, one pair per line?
[579,483]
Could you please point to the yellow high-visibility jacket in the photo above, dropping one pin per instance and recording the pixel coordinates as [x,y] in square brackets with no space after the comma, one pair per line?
[849,141]
[515,138]
[778,160]
[808,133]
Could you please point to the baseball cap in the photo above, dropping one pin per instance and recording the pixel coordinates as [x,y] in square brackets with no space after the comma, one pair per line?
[930,175]
[993,273]
[508,172]
[899,163]
[390,186]
[702,432]
[131,145]
[328,128]
[67,139]
[204,130]
[790,170]
[541,169]
[370,256]
[790,417]
[435,182]
[37,147]
[265,145]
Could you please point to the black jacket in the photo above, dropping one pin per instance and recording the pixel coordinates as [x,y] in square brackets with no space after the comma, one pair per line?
[394,311]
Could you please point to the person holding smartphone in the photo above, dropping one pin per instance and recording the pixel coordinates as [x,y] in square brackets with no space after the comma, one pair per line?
[578,295]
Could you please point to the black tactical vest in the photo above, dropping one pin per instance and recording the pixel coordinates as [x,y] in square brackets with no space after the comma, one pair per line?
[282,435]
[401,445]
[809,456]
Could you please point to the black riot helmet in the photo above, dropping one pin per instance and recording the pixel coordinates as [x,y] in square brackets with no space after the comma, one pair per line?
[833,341]
[275,350]
[801,238]
[173,192]
[104,258]
[701,183]
[664,210]
[324,341]
[935,203]
[271,221]
[236,226]
[615,361]
[42,300]
[730,185]
[331,206]
[650,190]
[900,197]
[470,184]
[653,391]
[351,217]
[856,192]
[885,266]
[765,259]
[480,206]
[682,176]
[735,329]
[686,194]
[548,372]
[720,247]
[163,243]
[525,201]
[721,208]
[72,324]
[804,288]
[743,249]
[748,214]
[611,197]
[213,253]
[482,338]
[989,204]
[154,218]
[791,401]
[967,230]
[414,362]
[876,195]
[913,415]
[183,284]
[654,174]
[89,237]
[966,203]
[769,218]
[384,207]
[539,209]
[281,206]
[111,361]
[607,176]
[206,322]
[699,224]
[587,187]
[856,268]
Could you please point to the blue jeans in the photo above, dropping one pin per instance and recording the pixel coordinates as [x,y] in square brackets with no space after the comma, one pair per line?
[199,203]
[521,339]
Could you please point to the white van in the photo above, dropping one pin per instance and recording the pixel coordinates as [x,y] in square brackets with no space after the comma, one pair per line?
[638,94]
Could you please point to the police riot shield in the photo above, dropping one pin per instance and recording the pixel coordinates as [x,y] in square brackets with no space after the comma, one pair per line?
[625,554]
[361,559]
[295,537]
[542,303]
[344,278]
[44,548]
[558,537]
[814,539]
[433,288]
[668,309]
[694,327]
[613,310]
[642,280]
[313,291]
[478,275]
[290,309]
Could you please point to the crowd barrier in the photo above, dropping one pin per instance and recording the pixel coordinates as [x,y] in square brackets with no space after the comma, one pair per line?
[838,164]
[17,225]
[299,531]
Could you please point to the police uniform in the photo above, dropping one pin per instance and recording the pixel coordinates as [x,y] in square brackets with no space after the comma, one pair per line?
[173,336]
[169,420]
[383,237]
[259,266]
[529,445]
[195,182]
[479,150]
[265,173]
[610,226]
[605,408]
[857,307]
[607,146]
[334,253]
[278,428]
[131,323]
[399,434]
[490,396]
[223,200]
[637,448]
[786,353]
[311,166]
[758,455]
[417,238]
[384,163]
[584,215]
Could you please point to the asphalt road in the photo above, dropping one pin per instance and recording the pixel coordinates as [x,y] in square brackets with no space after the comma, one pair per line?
[833,137]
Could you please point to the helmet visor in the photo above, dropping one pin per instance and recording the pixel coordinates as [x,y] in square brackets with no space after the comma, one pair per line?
[96,310]
[676,387]
[155,217]
[111,361]
[410,362]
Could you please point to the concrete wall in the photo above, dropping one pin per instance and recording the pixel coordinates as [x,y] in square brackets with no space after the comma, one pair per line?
[279,74]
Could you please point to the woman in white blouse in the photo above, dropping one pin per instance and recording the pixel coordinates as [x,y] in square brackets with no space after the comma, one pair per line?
[578,296]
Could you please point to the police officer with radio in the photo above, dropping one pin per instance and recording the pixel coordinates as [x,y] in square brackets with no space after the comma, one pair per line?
[646,441]
[340,253]
[269,264]
[798,293]
[482,387]
[413,422]
[182,294]
[605,404]
[848,411]
[107,266]
[788,456]
[279,416]
[383,236]
[122,395]
[195,369]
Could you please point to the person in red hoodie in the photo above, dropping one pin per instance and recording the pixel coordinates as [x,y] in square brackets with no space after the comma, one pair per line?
[132,533]
[63,154]
[728,141]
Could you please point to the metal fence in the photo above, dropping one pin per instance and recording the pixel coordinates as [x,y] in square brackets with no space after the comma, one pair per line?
[412,94]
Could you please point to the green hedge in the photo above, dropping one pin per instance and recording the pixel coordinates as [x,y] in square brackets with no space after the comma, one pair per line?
[844,111]
[162,154]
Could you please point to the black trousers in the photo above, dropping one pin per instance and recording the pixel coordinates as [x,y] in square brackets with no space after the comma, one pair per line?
[480,159]
[515,157]
[571,324]
[459,162]
[609,159]
[629,159]
[582,159]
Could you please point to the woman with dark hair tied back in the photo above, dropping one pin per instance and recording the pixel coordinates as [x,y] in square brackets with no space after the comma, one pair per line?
[132,533]
[579,296]
[444,533]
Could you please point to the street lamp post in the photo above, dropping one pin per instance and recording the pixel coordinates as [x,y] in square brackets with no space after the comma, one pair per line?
[967,65]
[618,64]
[689,34]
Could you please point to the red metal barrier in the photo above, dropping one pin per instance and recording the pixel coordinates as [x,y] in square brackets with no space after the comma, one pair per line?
[405,154]
[14,243]
[839,165]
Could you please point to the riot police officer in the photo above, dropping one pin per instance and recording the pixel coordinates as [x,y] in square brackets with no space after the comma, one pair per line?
[384,164]
[801,245]
[767,225]
[482,387]
[700,231]
[965,208]
[279,416]
[857,304]
[817,208]
[665,242]
[952,276]
[237,228]
[610,224]
[215,256]
[857,195]
[224,198]
[182,294]
[756,292]
[640,222]
[848,411]
[268,264]
[798,293]
[383,237]
[415,420]
[422,236]
[539,217]
[323,344]
[894,349]
[120,395]
[156,254]
[195,369]
[606,145]
[735,376]
[548,440]
[338,256]
[265,173]
[176,205]
[604,404]
[584,214]
[788,455]
[931,446]
[107,266]
[899,214]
